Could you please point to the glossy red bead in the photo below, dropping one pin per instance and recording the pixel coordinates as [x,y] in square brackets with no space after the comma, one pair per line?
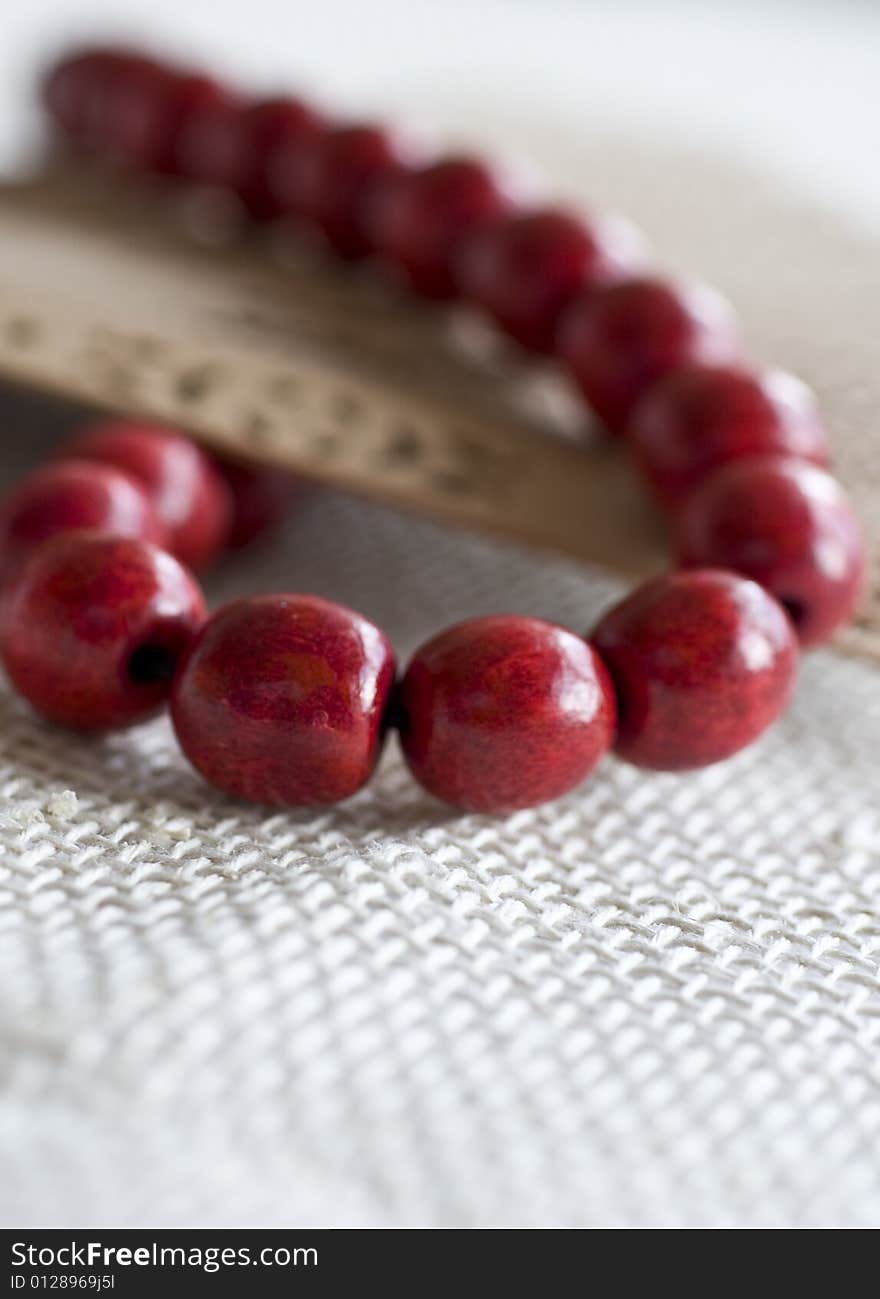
[621,340]
[702,416]
[235,147]
[94,626]
[418,219]
[67,496]
[526,268]
[260,500]
[327,180]
[790,526]
[702,662]
[182,480]
[282,700]
[505,712]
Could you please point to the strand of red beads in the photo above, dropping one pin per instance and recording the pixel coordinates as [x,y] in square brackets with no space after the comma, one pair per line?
[286,699]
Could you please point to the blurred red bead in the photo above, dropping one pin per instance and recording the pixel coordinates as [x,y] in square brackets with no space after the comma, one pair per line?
[131,116]
[787,524]
[182,480]
[327,180]
[62,89]
[144,109]
[233,146]
[72,82]
[281,700]
[274,127]
[94,626]
[67,496]
[619,341]
[526,268]
[212,147]
[702,662]
[260,500]
[501,713]
[701,416]
[418,219]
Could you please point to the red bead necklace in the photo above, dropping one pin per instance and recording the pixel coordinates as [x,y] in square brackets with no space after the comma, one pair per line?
[286,699]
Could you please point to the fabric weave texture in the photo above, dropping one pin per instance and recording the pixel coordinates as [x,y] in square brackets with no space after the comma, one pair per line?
[654,1003]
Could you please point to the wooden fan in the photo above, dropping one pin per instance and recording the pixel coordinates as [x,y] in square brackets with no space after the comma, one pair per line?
[158,304]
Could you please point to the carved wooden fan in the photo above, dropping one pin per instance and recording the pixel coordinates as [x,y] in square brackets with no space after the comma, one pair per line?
[107,298]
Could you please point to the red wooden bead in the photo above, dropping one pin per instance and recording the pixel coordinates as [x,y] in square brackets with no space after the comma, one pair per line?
[144,109]
[182,480]
[72,83]
[418,219]
[212,145]
[282,700]
[788,525]
[234,146]
[525,269]
[67,496]
[328,178]
[621,340]
[260,500]
[275,127]
[63,89]
[94,626]
[503,712]
[701,416]
[702,662]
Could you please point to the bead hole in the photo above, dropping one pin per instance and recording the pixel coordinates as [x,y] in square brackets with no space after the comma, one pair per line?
[795,609]
[151,664]
[396,717]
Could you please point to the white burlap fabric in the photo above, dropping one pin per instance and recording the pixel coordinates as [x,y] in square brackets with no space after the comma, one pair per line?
[654,1003]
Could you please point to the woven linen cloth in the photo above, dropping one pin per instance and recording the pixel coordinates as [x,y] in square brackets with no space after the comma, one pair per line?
[653,1003]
